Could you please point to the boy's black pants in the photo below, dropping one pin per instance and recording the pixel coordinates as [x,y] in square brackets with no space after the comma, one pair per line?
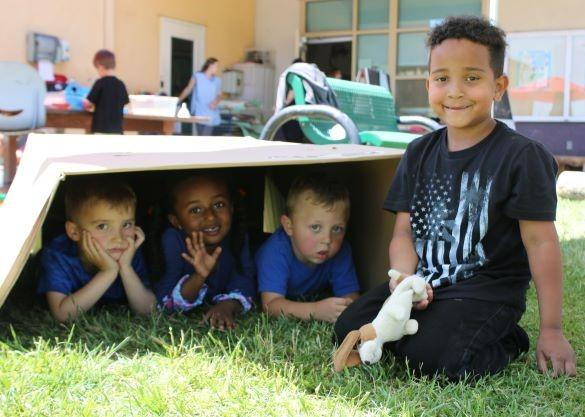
[455,337]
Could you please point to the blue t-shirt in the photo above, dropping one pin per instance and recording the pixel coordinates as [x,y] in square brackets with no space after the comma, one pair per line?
[205,91]
[62,271]
[279,270]
[225,279]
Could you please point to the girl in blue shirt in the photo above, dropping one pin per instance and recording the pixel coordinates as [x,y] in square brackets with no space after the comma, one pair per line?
[206,254]
[206,88]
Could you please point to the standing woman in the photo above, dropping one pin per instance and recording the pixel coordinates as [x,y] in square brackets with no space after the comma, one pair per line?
[206,87]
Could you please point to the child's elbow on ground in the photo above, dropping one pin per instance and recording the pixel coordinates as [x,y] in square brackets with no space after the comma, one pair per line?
[61,317]
[269,304]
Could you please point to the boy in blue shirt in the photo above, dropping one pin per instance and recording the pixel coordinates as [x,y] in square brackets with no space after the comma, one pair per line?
[308,256]
[98,257]
[475,206]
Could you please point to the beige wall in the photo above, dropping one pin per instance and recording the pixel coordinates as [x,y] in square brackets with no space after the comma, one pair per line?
[230,26]
[277,28]
[230,30]
[83,29]
[537,15]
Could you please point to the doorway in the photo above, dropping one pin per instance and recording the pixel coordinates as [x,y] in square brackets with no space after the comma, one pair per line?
[182,51]
[331,54]
[181,64]
[181,72]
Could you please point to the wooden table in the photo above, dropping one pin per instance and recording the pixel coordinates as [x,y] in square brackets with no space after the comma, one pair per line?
[62,119]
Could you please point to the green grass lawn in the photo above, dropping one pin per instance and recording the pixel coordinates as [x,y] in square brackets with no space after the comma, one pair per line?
[116,364]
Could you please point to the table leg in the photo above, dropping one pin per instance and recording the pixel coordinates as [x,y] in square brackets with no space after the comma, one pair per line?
[9,158]
[168,127]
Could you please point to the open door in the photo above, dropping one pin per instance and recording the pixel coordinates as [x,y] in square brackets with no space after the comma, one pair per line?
[182,52]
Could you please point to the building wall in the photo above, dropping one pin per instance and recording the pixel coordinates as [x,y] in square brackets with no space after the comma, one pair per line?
[82,29]
[536,15]
[135,39]
[230,27]
[277,29]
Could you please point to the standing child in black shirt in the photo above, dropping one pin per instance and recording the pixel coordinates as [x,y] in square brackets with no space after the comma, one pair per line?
[108,96]
[475,206]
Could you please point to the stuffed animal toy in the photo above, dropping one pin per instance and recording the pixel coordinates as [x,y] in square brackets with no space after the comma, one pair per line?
[392,322]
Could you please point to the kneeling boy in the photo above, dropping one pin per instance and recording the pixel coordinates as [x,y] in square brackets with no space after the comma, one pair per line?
[475,206]
[307,255]
[97,259]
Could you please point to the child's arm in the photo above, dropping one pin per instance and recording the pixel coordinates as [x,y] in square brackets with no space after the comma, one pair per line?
[88,105]
[352,296]
[221,315]
[213,105]
[344,280]
[178,290]
[64,307]
[238,294]
[327,309]
[403,257]
[290,97]
[140,298]
[67,307]
[202,262]
[544,256]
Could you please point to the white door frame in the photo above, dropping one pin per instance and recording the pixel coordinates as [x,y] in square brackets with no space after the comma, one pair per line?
[173,28]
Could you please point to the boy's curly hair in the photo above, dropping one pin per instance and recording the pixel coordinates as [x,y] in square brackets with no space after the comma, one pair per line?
[475,29]
[326,191]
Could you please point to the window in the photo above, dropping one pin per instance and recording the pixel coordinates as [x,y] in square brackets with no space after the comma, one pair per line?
[373,14]
[547,75]
[412,98]
[577,85]
[389,35]
[372,51]
[421,13]
[415,18]
[329,15]
[412,55]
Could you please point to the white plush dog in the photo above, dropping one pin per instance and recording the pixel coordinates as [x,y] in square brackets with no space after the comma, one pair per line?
[392,322]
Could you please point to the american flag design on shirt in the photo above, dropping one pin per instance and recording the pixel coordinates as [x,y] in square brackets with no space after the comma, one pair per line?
[448,228]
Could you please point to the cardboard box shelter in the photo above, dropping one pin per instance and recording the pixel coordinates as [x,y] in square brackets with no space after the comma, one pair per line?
[34,208]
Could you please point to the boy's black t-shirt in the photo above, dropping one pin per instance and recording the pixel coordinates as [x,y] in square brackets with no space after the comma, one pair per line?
[464,210]
[109,96]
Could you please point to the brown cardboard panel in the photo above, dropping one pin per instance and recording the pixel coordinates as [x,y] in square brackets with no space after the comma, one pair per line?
[50,159]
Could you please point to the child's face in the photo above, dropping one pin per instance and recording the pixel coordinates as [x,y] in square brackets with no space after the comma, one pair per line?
[203,205]
[316,231]
[462,85]
[109,226]
[214,68]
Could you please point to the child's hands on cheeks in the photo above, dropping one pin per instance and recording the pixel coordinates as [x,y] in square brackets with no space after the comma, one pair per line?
[133,244]
[197,256]
[95,254]
[221,315]
[417,305]
[330,308]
